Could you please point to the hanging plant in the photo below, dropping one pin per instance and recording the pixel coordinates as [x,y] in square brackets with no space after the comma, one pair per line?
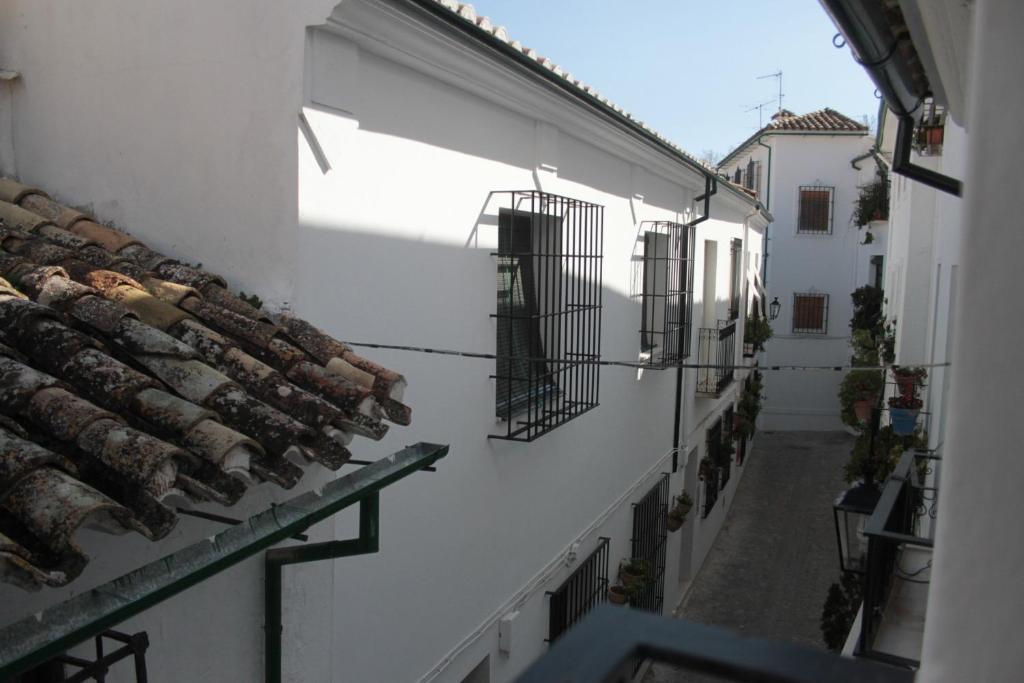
[677,515]
[873,201]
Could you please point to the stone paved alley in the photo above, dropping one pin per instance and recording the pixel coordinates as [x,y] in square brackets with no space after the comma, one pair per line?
[769,571]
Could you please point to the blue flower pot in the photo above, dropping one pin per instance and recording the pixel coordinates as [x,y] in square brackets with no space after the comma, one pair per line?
[904,420]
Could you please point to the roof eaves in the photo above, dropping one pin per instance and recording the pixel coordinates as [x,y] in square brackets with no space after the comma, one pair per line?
[496,38]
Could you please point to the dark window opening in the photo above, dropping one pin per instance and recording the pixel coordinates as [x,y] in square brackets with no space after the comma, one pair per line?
[815,211]
[877,270]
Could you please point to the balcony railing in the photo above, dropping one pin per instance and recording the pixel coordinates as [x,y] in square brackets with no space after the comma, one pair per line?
[603,647]
[716,353]
[900,538]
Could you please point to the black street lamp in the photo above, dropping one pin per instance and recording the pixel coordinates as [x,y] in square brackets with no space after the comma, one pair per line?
[773,308]
[851,511]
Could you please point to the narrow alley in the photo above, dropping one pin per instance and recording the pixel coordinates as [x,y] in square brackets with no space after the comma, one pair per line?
[770,568]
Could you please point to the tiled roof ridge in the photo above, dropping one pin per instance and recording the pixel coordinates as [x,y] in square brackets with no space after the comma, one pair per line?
[468,13]
[825,120]
[127,376]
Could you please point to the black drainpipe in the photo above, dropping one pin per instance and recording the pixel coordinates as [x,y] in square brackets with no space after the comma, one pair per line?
[901,161]
[768,207]
[710,188]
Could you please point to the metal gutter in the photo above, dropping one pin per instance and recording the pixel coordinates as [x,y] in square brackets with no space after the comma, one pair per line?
[756,137]
[886,57]
[40,637]
[589,101]
[768,206]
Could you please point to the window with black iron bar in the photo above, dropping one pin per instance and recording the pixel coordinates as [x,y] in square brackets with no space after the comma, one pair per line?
[810,313]
[725,437]
[735,277]
[667,292]
[585,588]
[648,544]
[929,131]
[752,177]
[815,210]
[548,311]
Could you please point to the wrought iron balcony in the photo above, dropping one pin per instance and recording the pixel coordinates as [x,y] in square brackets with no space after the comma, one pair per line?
[900,538]
[716,353]
[604,646]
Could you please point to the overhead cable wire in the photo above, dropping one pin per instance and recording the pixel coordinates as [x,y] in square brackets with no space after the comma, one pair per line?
[641,365]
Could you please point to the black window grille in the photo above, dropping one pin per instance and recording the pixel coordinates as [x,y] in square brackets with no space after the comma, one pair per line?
[735,277]
[752,177]
[810,313]
[738,176]
[815,211]
[585,588]
[548,311]
[716,355]
[709,477]
[650,534]
[721,458]
[667,292]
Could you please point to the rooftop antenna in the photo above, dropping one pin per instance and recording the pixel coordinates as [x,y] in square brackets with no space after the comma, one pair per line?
[760,110]
[778,75]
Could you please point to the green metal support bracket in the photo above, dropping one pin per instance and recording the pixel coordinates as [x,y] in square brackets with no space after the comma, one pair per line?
[38,638]
[368,542]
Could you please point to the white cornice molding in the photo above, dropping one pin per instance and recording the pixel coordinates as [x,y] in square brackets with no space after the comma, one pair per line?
[429,47]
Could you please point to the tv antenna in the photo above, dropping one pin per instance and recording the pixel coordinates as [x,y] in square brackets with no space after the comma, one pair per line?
[778,75]
[760,111]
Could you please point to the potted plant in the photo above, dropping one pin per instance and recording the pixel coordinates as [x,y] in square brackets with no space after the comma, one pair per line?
[633,574]
[617,594]
[677,515]
[903,410]
[908,379]
[706,468]
[744,427]
[873,201]
[756,332]
[858,393]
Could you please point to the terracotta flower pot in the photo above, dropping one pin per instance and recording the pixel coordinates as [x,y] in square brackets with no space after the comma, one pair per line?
[674,523]
[862,408]
[617,595]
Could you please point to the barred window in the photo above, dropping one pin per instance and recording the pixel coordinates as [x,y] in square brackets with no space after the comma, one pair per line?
[548,311]
[810,313]
[735,277]
[752,177]
[585,589]
[815,211]
[667,292]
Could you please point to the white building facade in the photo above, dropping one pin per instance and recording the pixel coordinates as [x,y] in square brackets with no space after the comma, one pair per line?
[352,162]
[808,170]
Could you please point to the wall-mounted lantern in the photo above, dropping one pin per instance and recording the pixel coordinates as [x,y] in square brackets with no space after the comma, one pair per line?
[773,308]
[851,511]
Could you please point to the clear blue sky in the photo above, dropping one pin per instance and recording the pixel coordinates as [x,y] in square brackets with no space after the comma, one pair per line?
[689,68]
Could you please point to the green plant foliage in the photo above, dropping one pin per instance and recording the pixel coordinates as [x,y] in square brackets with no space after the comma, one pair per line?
[858,385]
[873,202]
[682,507]
[876,464]
[867,310]
[865,349]
[840,610]
[251,299]
[756,331]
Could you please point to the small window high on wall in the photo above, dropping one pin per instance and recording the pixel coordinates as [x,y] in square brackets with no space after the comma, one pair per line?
[815,210]
[810,313]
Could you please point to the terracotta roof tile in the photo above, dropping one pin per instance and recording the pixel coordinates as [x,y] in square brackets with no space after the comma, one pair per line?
[131,383]
[821,120]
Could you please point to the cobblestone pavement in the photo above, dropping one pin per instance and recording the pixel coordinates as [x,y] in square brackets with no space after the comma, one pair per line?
[769,570]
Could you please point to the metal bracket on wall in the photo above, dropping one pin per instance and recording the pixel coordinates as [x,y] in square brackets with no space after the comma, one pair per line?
[275,559]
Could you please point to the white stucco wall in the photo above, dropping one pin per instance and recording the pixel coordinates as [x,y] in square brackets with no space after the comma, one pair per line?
[346,171]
